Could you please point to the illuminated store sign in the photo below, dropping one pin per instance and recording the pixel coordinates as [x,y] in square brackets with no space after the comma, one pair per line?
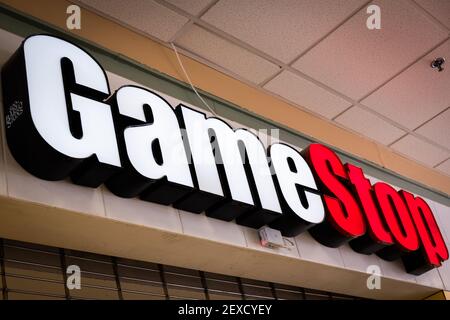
[62,121]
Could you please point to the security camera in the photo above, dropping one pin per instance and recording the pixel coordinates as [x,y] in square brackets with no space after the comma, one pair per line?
[437,63]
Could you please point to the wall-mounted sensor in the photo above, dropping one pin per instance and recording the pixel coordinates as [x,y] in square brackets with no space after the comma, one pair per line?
[271,238]
[438,64]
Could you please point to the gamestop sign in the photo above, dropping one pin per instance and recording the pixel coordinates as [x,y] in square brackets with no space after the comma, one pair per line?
[62,121]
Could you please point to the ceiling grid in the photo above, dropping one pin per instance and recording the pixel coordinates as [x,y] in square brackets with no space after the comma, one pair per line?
[335,68]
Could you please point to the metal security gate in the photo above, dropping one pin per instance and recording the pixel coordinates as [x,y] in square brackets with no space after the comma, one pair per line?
[31,271]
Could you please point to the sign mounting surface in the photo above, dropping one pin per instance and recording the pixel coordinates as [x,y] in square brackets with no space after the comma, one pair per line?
[63,121]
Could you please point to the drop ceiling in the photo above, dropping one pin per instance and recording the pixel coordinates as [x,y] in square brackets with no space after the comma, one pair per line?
[320,56]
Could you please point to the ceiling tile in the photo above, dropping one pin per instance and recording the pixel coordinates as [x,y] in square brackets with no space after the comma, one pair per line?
[282,29]
[227,55]
[144,15]
[417,94]
[369,125]
[440,9]
[355,60]
[438,129]
[192,6]
[420,150]
[307,94]
[444,167]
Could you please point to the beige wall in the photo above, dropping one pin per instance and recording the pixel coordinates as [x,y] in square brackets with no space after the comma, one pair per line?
[442,295]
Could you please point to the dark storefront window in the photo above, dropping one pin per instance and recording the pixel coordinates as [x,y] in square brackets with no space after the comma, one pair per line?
[31,271]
